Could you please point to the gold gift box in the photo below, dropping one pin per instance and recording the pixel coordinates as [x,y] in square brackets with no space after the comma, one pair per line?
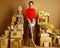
[16,34]
[16,43]
[41,13]
[4,42]
[13,18]
[43,20]
[6,33]
[59,41]
[45,39]
[44,35]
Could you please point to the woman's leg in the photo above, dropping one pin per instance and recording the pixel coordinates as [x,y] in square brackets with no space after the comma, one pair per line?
[31,35]
[32,39]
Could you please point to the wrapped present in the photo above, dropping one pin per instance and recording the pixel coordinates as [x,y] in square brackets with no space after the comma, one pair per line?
[56,31]
[18,27]
[14,18]
[20,19]
[12,23]
[21,43]
[19,7]
[49,31]
[45,40]
[58,40]
[41,13]
[46,14]
[43,20]
[46,44]
[44,35]
[50,26]
[7,33]
[16,43]
[4,42]
[16,34]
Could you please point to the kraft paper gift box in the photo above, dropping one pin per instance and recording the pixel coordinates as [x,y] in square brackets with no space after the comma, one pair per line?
[59,41]
[45,39]
[21,43]
[41,13]
[58,37]
[13,18]
[44,35]
[46,44]
[20,26]
[14,43]
[16,34]
[21,19]
[49,31]
[4,43]
[42,20]
[6,33]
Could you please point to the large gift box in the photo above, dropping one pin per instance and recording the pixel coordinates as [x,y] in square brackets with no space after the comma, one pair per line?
[16,43]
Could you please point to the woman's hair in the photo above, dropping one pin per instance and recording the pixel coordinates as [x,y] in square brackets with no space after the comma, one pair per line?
[31,2]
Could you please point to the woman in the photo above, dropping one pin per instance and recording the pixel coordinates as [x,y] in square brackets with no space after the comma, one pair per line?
[31,19]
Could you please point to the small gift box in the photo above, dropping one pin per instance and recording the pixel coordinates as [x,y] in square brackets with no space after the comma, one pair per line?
[59,41]
[13,18]
[41,13]
[44,35]
[46,44]
[4,43]
[6,33]
[16,34]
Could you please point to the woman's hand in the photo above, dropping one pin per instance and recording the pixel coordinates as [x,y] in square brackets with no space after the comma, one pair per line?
[29,21]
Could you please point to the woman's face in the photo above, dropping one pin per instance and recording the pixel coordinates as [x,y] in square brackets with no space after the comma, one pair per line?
[30,5]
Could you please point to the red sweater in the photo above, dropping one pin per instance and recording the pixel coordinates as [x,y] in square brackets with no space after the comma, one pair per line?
[30,13]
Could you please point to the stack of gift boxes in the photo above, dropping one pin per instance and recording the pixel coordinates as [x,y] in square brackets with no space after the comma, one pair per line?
[45,29]
[45,39]
[4,39]
[43,17]
[15,31]
[16,35]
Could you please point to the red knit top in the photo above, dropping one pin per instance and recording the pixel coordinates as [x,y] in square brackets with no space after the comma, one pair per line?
[30,13]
